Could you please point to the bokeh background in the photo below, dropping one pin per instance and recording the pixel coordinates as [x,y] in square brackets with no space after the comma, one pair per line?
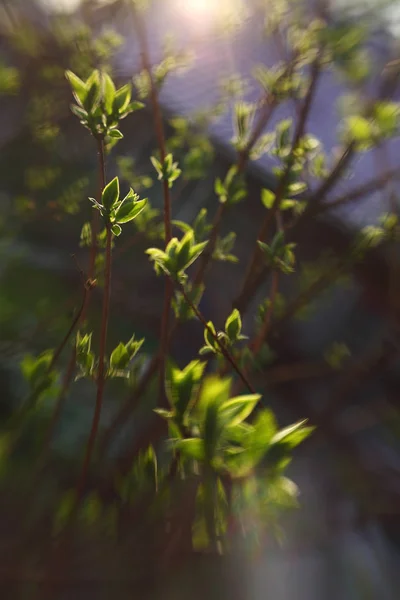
[343,542]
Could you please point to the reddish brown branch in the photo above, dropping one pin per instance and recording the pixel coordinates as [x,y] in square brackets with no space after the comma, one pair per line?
[101,376]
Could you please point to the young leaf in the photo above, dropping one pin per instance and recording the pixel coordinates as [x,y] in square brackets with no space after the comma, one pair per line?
[293,435]
[190,448]
[116,229]
[236,410]
[108,92]
[233,325]
[93,94]
[110,195]
[115,134]
[267,198]
[79,88]
[119,357]
[129,210]
[122,99]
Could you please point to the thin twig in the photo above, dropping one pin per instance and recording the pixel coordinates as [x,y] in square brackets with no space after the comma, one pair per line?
[101,375]
[361,191]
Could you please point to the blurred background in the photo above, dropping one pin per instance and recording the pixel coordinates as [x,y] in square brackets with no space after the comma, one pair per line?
[344,540]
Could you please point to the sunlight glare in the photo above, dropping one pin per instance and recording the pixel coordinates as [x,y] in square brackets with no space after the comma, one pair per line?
[198,8]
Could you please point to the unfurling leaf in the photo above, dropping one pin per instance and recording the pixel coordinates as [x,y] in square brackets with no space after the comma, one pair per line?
[110,195]
[130,209]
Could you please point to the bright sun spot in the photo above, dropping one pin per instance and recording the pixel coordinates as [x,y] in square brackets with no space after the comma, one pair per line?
[198,8]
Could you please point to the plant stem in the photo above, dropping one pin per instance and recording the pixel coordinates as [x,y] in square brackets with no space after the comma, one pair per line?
[101,376]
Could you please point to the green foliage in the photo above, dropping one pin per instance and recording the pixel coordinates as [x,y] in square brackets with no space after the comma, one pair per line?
[178,255]
[122,356]
[229,337]
[167,171]
[278,255]
[99,105]
[85,358]
[115,211]
[232,190]
[37,371]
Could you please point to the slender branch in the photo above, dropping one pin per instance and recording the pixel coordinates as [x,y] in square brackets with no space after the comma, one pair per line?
[101,376]
[370,187]
[221,346]
[70,331]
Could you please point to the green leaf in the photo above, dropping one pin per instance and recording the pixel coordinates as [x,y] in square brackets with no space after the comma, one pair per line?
[108,92]
[182,386]
[93,95]
[387,115]
[79,112]
[184,250]
[110,195]
[129,210]
[208,337]
[119,357]
[79,88]
[293,435]
[64,510]
[91,510]
[195,252]
[134,106]
[36,370]
[219,189]
[360,130]
[190,448]
[122,99]
[164,414]
[236,410]
[215,389]
[267,198]
[115,134]
[116,229]
[211,429]
[287,204]
[233,325]
[157,165]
